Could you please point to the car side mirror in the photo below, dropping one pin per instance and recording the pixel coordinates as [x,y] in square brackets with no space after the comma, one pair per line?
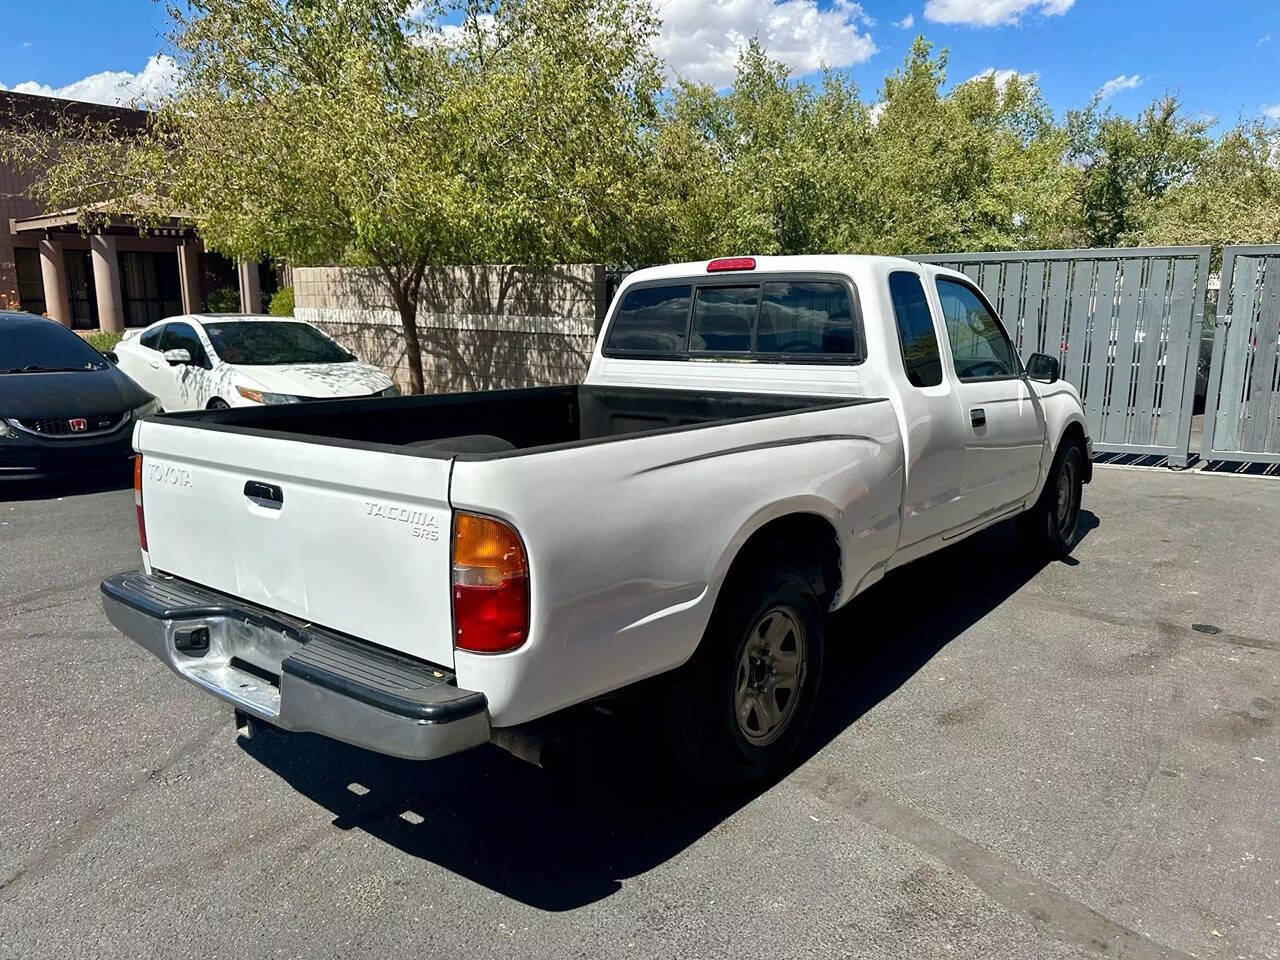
[111,357]
[1042,367]
[178,355]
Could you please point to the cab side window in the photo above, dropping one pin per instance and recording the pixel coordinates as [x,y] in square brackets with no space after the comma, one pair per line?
[181,336]
[915,329]
[979,346]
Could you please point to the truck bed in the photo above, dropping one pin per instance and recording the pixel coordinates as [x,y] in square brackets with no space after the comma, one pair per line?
[529,419]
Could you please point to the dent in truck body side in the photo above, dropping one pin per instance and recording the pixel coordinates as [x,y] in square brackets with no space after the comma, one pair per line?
[597,625]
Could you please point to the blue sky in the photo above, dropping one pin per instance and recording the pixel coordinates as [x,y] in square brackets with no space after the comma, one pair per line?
[1219,56]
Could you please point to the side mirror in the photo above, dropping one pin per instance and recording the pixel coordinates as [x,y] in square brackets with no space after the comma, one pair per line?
[1042,367]
[178,355]
[111,357]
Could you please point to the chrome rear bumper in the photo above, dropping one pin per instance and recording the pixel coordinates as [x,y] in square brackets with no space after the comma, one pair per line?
[295,675]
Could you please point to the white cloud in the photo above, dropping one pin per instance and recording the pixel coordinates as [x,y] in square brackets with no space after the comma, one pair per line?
[154,81]
[27,43]
[701,40]
[1117,84]
[1262,40]
[1002,77]
[875,111]
[1272,113]
[991,13]
[907,22]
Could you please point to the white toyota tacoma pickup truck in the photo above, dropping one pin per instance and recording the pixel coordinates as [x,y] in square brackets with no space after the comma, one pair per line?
[758,441]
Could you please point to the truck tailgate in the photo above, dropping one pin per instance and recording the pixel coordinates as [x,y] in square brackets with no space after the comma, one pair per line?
[356,540]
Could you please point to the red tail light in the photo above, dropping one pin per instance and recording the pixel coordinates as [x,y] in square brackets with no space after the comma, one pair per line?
[137,501]
[490,585]
[731,263]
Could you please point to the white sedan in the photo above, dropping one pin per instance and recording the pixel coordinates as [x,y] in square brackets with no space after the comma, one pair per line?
[229,360]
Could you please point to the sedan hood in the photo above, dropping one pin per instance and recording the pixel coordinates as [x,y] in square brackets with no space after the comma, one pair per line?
[82,393]
[319,380]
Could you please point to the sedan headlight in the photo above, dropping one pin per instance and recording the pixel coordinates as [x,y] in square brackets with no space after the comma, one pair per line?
[391,391]
[147,409]
[261,396]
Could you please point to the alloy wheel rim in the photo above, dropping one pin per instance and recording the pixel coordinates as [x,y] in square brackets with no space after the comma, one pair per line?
[770,675]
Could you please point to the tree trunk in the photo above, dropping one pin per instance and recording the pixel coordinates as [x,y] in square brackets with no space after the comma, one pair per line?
[405,285]
[408,308]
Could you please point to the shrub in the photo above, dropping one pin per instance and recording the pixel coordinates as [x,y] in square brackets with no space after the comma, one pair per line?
[101,340]
[223,300]
[281,303]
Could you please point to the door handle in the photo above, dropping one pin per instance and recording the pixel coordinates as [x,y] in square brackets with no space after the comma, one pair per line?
[264,494]
[978,417]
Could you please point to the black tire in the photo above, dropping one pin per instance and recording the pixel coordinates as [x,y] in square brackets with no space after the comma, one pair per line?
[703,698]
[217,403]
[1052,527]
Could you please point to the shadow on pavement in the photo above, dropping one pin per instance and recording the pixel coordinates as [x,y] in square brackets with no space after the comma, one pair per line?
[557,842]
[71,485]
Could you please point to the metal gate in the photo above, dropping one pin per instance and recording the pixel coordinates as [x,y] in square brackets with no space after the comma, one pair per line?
[1242,411]
[1123,323]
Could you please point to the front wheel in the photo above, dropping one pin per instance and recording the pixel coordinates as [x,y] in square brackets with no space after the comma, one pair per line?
[217,403]
[1052,526]
[739,709]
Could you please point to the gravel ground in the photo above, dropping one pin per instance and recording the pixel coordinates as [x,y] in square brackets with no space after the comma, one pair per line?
[1010,762]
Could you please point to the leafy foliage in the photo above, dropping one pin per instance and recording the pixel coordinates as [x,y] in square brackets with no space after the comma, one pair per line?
[102,341]
[222,300]
[391,135]
[281,304]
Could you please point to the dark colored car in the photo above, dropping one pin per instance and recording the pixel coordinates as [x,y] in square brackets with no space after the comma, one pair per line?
[64,407]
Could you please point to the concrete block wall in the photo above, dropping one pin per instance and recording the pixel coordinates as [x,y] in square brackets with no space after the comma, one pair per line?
[481,328]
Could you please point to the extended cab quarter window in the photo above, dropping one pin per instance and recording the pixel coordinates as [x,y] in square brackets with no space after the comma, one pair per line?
[915,330]
[652,320]
[806,316]
[979,345]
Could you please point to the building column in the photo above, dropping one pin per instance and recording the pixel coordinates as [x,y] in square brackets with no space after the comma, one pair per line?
[106,278]
[53,270]
[189,276]
[250,288]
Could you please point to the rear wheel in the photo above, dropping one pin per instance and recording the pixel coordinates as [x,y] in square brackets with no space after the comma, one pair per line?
[740,708]
[1052,526]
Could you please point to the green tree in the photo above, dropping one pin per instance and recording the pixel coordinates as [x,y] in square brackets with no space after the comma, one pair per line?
[773,166]
[1234,196]
[321,131]
[1128,165]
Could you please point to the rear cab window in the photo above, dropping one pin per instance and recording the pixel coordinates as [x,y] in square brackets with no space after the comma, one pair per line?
[773,318]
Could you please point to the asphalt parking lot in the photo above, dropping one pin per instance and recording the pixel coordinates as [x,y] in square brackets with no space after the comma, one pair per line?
[1011,762]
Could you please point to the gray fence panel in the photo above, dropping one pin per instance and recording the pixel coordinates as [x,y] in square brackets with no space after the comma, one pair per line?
[1077,320]
[1125,325]
[1242,422]
[1115,425]
[1151,347]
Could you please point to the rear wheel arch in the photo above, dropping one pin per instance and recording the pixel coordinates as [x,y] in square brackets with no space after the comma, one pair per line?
[806,541]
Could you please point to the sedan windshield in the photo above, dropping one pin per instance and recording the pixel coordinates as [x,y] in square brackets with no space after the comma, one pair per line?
[36,347]
[258,343]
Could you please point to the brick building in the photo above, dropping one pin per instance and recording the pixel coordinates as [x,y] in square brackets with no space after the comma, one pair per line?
[114,277]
